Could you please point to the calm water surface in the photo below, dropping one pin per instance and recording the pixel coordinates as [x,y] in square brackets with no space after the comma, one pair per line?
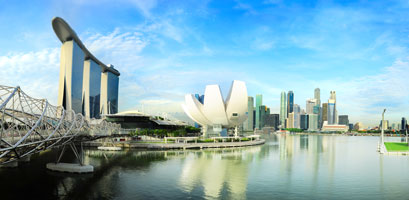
[286,167]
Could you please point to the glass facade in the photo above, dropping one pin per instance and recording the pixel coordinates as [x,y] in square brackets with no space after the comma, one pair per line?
[76,78]
[290,102]
[94,90]
[331,113]
[113,86]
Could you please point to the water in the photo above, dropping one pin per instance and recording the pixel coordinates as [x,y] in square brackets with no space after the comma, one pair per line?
[286,167]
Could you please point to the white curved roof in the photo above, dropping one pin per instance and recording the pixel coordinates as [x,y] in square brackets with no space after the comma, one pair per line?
[216,111]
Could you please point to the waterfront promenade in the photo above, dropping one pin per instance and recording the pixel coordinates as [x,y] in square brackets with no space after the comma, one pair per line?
[161,145]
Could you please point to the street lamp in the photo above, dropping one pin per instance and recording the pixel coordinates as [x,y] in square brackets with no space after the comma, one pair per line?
[384,110]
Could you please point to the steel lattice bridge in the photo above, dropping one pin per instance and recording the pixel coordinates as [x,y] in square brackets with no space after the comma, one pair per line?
[29,125]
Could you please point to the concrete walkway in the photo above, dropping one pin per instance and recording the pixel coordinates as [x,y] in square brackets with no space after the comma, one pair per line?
[180,145]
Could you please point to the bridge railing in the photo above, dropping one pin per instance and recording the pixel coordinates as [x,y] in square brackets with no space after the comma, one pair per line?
[29,125]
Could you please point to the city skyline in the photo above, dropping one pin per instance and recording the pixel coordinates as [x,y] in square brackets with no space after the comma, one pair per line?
[166,50]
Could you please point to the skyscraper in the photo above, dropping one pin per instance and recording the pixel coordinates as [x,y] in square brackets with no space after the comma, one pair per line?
[271,120]
[248,124]
[310,105]
[283,109]
[343,120]
[259,102]
[332,109]
[290,102]
[312,122]
[403,124]
[86,85]
[325,112]
[290,120]
[263,111]
[317,96]
[304,121]
[297,112]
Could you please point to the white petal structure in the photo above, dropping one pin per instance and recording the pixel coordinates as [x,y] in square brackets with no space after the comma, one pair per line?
[215,111]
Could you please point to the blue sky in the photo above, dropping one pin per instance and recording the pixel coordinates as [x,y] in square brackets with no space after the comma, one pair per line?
[165,49]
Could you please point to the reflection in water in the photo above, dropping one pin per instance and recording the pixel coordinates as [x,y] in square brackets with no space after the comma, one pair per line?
[214,169]
[285,167]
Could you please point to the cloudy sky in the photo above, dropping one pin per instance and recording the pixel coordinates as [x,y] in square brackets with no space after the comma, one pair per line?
[165,49]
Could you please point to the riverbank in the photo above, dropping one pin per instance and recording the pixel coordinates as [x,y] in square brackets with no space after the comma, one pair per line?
[164,146]
[343,134]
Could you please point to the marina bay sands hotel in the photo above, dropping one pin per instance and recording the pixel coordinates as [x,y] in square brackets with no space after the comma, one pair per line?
[86,85]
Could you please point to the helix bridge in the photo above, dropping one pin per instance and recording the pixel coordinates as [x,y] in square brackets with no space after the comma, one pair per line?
[29,125]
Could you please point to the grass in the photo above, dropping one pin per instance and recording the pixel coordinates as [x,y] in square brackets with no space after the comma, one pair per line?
[397,146]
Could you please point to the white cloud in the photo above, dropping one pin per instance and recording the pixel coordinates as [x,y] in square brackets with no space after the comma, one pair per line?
[35,72]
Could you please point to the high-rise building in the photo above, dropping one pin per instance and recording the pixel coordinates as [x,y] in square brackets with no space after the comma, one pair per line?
[248,124]
[263,111]
[272,120]
[343,119]
[259,102]
[317,96]
[290,120]
[283,109]
[290,102]
[297,112]
[304,121]
[403,124]
[86,85]
[325,112]
[312,122]
[331,111]
[310,103]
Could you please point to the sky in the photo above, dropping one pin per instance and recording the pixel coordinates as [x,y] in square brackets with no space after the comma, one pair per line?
[166,49]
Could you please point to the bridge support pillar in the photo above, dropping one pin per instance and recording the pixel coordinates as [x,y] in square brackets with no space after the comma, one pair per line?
[71,167]
[10,164]
[25,159]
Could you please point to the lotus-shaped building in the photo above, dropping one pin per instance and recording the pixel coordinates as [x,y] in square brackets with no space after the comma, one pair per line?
[216,113]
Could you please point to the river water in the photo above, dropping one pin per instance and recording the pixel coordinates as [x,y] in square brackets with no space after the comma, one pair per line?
[286,167]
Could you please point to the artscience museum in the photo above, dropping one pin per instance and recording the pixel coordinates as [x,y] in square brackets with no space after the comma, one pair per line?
[215,113]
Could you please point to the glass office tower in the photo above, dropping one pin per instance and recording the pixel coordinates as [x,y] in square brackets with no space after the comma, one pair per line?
[283,109]
[290,102]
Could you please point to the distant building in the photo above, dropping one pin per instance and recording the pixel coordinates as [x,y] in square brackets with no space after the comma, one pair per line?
[272,120]
[297,112]
[317,96]
[310,105]
[290,120]
[325,112]
[312,122]
[334,127]
[359,126]
[263,111]
[343,119]
[403,124]
[290,102]
[248,124]
[259,102]
[351,126]
[332,109]
[283,109]
[304,122]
